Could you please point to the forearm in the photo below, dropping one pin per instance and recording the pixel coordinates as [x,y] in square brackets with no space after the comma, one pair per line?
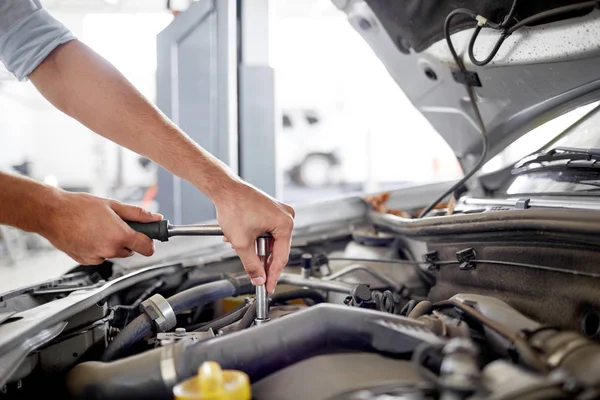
[24,203]
[88,88]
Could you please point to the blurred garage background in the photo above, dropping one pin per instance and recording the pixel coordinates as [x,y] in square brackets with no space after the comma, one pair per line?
[292,98]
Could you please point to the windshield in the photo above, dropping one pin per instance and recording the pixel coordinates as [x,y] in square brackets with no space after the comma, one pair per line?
[584,134]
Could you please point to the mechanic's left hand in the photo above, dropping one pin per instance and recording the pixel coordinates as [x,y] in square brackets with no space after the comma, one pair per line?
[246,213]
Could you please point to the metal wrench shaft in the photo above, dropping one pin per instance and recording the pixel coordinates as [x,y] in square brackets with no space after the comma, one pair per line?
[163,230]
[263,249]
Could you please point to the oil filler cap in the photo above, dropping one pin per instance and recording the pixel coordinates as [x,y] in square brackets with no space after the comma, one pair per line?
[213,383]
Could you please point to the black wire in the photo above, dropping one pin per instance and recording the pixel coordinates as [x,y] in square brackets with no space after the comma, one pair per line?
[538,267]
[552,13]
[471,92]
[146,293]
[510,16]
[383,261]
[492,54]
[136,304]
[507,31]
[491,262]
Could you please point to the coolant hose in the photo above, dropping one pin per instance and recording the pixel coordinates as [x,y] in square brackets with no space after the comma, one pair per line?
[182,301]
[258,351]
[223,321]
[295,294]
[247,319]
[200,281]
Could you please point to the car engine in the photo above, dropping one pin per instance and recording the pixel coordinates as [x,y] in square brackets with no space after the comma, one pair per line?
[355,316]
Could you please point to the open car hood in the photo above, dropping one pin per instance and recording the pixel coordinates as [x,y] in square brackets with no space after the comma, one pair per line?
[539,73]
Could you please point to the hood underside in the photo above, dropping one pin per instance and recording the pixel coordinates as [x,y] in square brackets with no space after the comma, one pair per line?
[539,73]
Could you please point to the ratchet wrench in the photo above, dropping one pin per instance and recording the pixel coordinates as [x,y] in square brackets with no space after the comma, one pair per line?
[163,230]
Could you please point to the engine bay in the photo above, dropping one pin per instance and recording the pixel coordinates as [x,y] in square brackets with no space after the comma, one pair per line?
[392,309]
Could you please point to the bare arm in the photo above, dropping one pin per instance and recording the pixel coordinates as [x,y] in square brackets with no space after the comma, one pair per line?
[55,214]
[88,88]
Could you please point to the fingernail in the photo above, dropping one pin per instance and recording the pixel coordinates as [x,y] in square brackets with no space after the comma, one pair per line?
[258,281]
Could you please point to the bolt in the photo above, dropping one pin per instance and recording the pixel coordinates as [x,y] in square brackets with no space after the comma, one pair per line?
[180,332]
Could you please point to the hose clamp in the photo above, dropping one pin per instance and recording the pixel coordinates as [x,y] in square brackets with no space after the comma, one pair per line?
[168,371]
[158,309]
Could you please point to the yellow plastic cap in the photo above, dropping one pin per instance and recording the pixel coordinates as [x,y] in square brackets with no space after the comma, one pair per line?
[212,383]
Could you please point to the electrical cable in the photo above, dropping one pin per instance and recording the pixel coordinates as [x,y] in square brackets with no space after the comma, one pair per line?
[425,276]
[383,261]
[499,42]
[492,54]
[553,13]
[538,267]
[507,31]
[491,262]
[471,92]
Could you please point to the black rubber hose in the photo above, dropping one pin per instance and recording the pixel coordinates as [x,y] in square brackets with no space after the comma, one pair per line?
[225,320]
[200,281]
[297,294]
[247,319]
[322,329]
[203,294]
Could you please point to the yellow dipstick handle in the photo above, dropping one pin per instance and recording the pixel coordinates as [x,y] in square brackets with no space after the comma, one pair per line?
[212,383]
[210,378]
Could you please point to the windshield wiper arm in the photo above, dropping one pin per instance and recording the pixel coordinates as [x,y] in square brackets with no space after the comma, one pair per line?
[573,157]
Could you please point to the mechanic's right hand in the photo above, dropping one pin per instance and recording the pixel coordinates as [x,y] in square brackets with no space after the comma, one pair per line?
[91,229]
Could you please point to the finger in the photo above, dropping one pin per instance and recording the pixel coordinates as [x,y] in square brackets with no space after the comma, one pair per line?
[252,265]
[89,260]
[121,253]
[140,244]
[134,213]
[225,239]
[281,252]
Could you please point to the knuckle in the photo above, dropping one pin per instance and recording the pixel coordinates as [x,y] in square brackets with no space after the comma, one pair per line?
[253,268]
[241,244]
[140,211]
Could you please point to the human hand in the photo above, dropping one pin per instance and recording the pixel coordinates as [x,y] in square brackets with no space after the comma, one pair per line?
[91,229]
[246,213]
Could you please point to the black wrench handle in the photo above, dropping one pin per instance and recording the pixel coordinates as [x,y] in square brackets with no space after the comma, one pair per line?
[158,230]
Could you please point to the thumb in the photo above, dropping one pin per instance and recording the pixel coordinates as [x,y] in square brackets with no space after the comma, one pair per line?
[252,265]
[134,213]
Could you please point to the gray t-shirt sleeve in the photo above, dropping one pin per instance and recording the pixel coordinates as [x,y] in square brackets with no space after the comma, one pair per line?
[28,34]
